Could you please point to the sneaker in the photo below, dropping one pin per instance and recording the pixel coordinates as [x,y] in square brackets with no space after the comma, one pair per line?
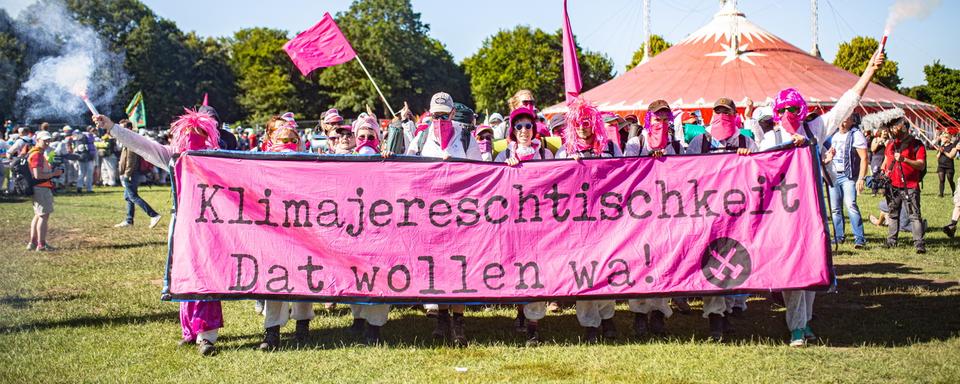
[458,331]
[155,220]
[859,246]
[591,335]
[31,247]
[797,339]
[921,249]
[372,336]
[890,244]
[45,248]
[431,313]
[123,224]
[808,334]
[553,307]
[640,325]
[258,306]
[950,230]
[608,328]
[271,339]
[206,348]
[533,335]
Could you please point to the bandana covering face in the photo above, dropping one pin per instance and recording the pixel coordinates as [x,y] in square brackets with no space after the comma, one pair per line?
[196,141]
[285,147]
[372,144]
[185,136]
[659,135]
[443,131]
[790,122]
[723,126]
[485,146]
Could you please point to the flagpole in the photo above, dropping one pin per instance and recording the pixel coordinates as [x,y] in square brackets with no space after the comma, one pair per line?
[392,113]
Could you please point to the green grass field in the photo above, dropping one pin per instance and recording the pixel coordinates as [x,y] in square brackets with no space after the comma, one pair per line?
[91,312]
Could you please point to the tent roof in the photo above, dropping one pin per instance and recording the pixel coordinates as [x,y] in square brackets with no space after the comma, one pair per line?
[706,66]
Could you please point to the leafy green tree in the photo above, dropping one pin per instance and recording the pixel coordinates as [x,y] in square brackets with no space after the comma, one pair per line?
[12,67]
[400,55]
[161,65]
[657,44]
[854,56]
[212,74]
[264,73]
[525,58]
[115,20]
[943,87]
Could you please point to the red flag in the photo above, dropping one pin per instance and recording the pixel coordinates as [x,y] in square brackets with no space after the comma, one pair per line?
[323,45]
[571,68]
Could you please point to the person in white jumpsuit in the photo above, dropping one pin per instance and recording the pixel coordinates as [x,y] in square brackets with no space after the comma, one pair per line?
[586,138]
[650,314]
[790,113]
[443,138]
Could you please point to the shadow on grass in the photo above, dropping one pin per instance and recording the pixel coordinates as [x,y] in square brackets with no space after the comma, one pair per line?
[127,245]
[19,302]
[94,321]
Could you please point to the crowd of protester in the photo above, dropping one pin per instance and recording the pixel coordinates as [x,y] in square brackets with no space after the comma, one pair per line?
[887,159]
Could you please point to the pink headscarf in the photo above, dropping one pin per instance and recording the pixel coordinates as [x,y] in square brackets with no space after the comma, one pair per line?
[657,138]
[578,110]
[371,123]
[187,132]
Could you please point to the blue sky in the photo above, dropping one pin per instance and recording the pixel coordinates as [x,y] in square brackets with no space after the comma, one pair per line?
[613,27]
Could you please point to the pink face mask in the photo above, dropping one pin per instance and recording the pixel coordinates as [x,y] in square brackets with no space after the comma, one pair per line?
[485,146]
[790,122]
[286,147]
[659,135]
[443,130]
[196,142]
[364,142]
[723,126]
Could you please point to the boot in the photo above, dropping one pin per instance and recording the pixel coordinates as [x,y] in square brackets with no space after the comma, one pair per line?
[442,331]
[271,339]
[357,327]
[609,329]
[591,335]
[187,342]
[533,334]
[520,323]
[640,325]
[950,230]
[302,333]
[206,348]
[372,336]
[727,326]
[657,323]
[716,326]
[457,330]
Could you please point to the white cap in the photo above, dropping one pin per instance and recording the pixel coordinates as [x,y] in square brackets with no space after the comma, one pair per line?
[441,103]
[762,112]
[43,135]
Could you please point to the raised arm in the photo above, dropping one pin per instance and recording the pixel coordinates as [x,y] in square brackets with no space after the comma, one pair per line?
[851,98]
[150,150]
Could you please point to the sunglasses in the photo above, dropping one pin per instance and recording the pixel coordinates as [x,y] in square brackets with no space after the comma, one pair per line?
[527,102]
[368,137]
[788,109]
[442,117]
[288,140]
[523,126]
[586,123]
[485,137]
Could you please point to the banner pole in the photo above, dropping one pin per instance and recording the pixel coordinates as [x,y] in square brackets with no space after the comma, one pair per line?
[392,113]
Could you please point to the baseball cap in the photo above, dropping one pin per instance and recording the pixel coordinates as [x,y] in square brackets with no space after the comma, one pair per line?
[481,128]
[332,116]
[725,102]
[495,117]
[43,135]
[657,106]
[762,113]
[441,102]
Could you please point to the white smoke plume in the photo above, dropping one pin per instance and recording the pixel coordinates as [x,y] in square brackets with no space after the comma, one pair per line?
[909,9]
[69,60]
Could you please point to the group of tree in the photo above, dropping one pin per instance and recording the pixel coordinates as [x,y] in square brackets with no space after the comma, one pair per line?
[249,77]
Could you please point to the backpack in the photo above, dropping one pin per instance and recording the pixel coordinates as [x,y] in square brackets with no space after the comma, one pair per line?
[82,149]
[23,181]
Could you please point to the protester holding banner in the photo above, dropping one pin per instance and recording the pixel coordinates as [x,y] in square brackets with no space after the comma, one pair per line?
[790,115]
[655,139]
[367,135]
[523,144]
[442,138]
[586,138]
[199,320]
[723,135]
[484,136]
[499,126]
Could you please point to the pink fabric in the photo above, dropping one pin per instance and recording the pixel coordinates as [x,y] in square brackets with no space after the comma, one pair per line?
[199,316]
[571,68]
[723,126]
[372,144]
[185,129]
[470,225]
[658,135]
[485,146]
[323,45]
[443,131]
[791,123]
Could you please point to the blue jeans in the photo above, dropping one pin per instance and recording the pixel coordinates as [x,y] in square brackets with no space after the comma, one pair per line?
[845,190]
[132,197]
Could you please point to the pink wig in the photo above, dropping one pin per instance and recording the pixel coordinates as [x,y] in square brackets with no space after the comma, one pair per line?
[579,110]
[194,121]
[789,97]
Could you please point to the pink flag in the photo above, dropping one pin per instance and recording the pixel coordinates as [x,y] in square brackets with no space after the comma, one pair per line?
[571,68]
[323,45]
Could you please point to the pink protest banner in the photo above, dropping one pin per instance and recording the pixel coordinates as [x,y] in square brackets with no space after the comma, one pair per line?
[364,229]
